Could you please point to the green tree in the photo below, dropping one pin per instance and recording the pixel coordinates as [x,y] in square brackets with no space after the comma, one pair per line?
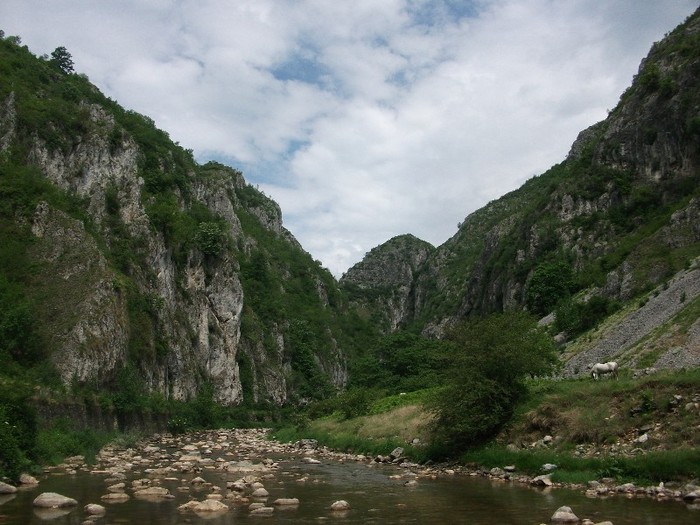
[550,283]
[210,238]
[61,58]
[492,358]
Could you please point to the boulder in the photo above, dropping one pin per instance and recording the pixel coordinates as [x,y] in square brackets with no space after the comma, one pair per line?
[152,492]
[52,500]
[189,506]
[396,453]
[260,493]
[6,488]
[262,511]
[210,505]
[115,497]
[340,505]
[692,496]
[94,509]
[26,479]
[541,481]
[283,502]
[564,515]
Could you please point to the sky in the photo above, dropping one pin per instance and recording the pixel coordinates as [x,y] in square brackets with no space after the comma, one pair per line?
[363,119]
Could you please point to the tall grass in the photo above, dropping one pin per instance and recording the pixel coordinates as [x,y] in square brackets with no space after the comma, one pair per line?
[62,440]
[370,435]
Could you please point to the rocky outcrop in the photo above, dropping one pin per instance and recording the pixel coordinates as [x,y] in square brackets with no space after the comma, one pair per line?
[84,311]
[383,281]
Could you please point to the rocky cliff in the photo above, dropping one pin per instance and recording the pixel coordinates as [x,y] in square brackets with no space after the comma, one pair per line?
[142,263]
[383,282]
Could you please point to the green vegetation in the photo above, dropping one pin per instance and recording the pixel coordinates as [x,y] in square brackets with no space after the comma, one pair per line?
[598,415]
[647,469]
[400,362]
[486,379]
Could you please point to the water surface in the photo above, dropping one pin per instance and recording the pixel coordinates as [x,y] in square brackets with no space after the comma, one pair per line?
[375,494]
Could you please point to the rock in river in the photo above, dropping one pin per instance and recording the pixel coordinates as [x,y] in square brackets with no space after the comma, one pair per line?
[340,505]
[564,515]
[7,489]
[51,500]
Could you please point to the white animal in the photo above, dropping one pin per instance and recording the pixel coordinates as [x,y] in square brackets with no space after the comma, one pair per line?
[599,369]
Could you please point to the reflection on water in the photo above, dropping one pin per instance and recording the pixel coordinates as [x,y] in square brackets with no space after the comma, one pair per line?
[373,495]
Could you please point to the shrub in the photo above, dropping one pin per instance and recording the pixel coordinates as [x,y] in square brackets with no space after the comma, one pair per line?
[492,359]
[551,282]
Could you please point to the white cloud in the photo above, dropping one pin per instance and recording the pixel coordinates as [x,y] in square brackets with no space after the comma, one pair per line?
[363,119]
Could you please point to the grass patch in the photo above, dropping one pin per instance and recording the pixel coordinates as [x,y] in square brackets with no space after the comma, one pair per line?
[651,468]
[63,440]
[387,404]
[371,435]
[602,412]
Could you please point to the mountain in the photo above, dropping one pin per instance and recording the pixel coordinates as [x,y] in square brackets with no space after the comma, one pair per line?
[127,266]
[614,228]
[382,282]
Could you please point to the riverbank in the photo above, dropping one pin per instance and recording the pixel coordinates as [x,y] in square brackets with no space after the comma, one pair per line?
[639,433]
[243,473]
[687,492]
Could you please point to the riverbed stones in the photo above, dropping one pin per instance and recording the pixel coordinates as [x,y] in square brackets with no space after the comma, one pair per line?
[310,444]
[52,500]
[564,515]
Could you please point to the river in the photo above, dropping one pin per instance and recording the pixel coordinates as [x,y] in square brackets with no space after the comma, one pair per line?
[382,494]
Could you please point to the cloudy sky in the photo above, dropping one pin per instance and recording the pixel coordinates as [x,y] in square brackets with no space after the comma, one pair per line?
[363,119]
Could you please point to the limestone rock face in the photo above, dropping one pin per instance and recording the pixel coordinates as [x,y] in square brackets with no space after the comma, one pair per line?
[84,310]
[384,279]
